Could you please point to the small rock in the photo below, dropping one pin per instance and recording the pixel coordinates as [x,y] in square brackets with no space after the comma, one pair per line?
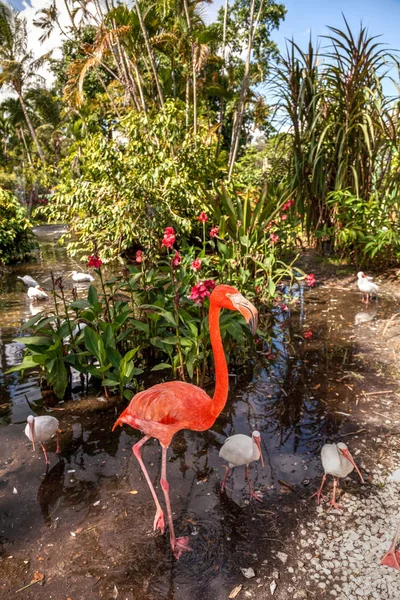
[282,556]
[248,573]
[272,587]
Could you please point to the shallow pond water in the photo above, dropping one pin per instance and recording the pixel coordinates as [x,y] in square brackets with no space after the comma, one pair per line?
[87,523]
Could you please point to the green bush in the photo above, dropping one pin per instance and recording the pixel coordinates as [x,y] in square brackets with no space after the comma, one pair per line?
[16,238]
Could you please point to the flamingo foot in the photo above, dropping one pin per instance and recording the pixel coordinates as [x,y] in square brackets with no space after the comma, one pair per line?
[159,521]
[180,546]
[392,559]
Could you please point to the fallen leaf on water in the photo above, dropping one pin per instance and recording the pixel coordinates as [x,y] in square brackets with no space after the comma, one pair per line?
[235,591]
[133,492]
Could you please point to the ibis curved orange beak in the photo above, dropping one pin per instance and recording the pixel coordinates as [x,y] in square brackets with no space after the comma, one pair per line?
[349,457]
[32,428]
[258,442]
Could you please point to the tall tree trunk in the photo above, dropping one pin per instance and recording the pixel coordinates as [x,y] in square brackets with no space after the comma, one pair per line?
[30,127]
[222,106]
[243,91]
[149,52]
[26,146]
[194,74]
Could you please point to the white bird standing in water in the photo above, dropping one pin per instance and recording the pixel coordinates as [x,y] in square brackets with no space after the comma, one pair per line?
[28,280]
[366,286]
[41,429]
[37,293]
[240,450]
[81,276]
[337,461]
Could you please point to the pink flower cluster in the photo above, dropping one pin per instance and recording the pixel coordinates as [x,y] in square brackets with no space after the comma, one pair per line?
[139,256]
[274,237]
[177,259]
[202,217]
[196,265]
[201,291]
[94,261]
[214,231]
[307,334]
[288,204]
[310,280]
[169,237]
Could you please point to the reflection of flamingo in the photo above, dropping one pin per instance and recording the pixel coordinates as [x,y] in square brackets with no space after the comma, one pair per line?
[41,429]
[337,461]
[241,450]
[164,409]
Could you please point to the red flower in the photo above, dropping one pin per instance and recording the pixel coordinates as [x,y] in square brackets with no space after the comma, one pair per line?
[307,334]
[283,307]
[201,291]
[283,217]
[288,204]
[139,256]
[310,280]
[214,231]
[202,217]
[257,289]
[169,237]
[94,261]
[270,356]
[274,238]
[177,259]
[196,265]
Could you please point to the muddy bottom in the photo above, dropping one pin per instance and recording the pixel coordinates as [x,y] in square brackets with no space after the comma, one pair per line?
[87,525]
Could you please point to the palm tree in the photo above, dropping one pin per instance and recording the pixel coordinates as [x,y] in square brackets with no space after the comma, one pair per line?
[16,62]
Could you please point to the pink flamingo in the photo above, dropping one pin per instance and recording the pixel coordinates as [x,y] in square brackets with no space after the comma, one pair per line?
[166,408]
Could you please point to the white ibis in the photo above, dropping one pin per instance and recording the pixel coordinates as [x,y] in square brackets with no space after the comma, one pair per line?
[366,286]
[240,450]
[79,277]
[37,293]
[392,556]
[41,429]
[28,280]
[337,461]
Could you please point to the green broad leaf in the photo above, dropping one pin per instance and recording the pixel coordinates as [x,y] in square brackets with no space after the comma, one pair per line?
[140,326]
[111,382]
[28,324]
[124,334]
[120,319]
[128,394]
[93,298]
[27,363]
[58,378]
[79,304]
[113,356]
[161,367]
[92,339]
[108,336]
[34,341]
[158,309]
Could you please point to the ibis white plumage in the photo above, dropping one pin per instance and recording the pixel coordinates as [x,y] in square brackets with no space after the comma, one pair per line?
[28,280]
[338,462]
[241,450]
[79,277]
[42,429]
[37,293]
[366,286]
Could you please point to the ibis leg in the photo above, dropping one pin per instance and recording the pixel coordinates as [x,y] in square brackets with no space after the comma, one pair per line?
[45,454]
[178,545]
[334,504]
[223,484]
[159,518]
[319,492]
[252,494]
[58,449]
[392,557]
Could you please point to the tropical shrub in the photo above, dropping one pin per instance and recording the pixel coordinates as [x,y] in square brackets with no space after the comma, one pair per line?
[16,237]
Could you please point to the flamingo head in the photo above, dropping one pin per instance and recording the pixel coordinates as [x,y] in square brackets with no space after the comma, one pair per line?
[31,423]
[343,449]
[226,296]
[360,275]
[257,439]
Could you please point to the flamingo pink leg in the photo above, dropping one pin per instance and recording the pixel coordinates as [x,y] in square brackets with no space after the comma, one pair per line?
[45,454]
[159,518]
[319,492]
[178,545]
[334,504]
[252,494]
[223,484]
[392,556]
[58,449]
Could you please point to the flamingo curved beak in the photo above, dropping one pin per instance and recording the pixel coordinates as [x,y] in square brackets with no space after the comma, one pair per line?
[247,310]
[32,428]
[258,442]
[349,457]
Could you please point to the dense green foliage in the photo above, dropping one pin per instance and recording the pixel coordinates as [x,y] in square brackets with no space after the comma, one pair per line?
[16,239]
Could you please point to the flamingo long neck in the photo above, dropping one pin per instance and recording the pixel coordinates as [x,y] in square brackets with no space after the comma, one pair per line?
[221,369]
